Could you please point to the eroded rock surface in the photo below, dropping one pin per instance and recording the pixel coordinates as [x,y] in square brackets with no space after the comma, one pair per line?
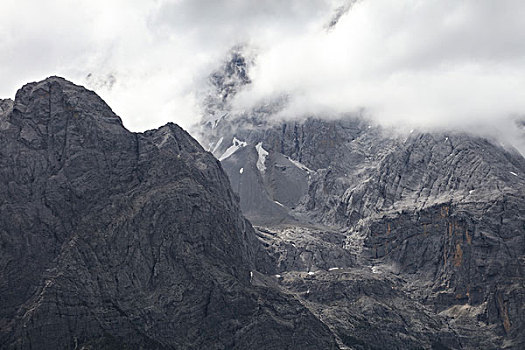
[112,239]
[437,217]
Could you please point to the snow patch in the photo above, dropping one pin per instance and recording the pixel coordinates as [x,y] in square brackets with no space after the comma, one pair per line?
[300,165]
[262,157]
[513,173]
[278,276]
[311,273]
[217,145]
[236,144]
[276,202]
[241,170]
[375,270]
[334,268]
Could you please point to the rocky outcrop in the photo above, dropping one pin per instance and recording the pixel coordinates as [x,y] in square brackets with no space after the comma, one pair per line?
[306,248]
[5,106]
[435,168]
[436,216]
[367,310]
[112,239]
[442,212]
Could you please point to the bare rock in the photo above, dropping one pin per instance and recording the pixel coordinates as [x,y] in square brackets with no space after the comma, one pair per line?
[113,239]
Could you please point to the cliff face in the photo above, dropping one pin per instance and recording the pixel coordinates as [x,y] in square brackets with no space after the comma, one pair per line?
[437,218]
[441,214]
[113,239]
[452,221]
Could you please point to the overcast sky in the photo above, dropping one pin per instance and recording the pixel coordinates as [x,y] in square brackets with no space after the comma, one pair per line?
[416,62]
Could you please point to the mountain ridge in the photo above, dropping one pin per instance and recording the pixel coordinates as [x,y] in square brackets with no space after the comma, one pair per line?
[131,240]
[437,215]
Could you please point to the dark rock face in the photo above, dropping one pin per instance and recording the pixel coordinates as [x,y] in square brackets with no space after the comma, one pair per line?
[368,311]
[436,168]
[5,106]
[388,223]
[307,249]
[444,213]
[453,259]
[448,212]
[112,239]
[266,192]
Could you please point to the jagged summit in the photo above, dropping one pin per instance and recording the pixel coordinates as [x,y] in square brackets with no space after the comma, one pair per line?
[429,220]
[113,239]
[62,94]
[224,83]
[5,105]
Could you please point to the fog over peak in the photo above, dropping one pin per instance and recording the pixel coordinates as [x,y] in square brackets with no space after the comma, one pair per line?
[425,64]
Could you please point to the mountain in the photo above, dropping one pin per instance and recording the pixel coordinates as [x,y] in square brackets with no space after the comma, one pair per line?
[364,238]
[393,240]
[112,239]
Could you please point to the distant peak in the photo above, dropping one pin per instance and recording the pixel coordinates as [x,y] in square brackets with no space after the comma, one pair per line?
[339,13]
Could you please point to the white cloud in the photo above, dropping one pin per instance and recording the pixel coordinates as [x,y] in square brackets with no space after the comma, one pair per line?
[157,52]
[430,63]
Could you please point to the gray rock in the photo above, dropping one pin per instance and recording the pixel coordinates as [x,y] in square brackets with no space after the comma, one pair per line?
[248,182]
[5,106]
[438,216]
[366,310]
[112,239]
[306,249]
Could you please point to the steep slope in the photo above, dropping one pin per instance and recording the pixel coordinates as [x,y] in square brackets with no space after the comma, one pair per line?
[438,217]
[112,239]
[5,106]
[449,213]
[443,212]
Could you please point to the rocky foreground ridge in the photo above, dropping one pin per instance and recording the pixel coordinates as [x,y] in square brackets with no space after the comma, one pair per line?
[112,239]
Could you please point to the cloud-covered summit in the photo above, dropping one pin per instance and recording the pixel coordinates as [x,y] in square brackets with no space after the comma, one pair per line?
[424,63]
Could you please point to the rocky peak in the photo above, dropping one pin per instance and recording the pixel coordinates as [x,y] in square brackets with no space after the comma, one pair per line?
[114,239]
[5,106]
[224,83]
[439,214]
[56,98]
[232,75]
